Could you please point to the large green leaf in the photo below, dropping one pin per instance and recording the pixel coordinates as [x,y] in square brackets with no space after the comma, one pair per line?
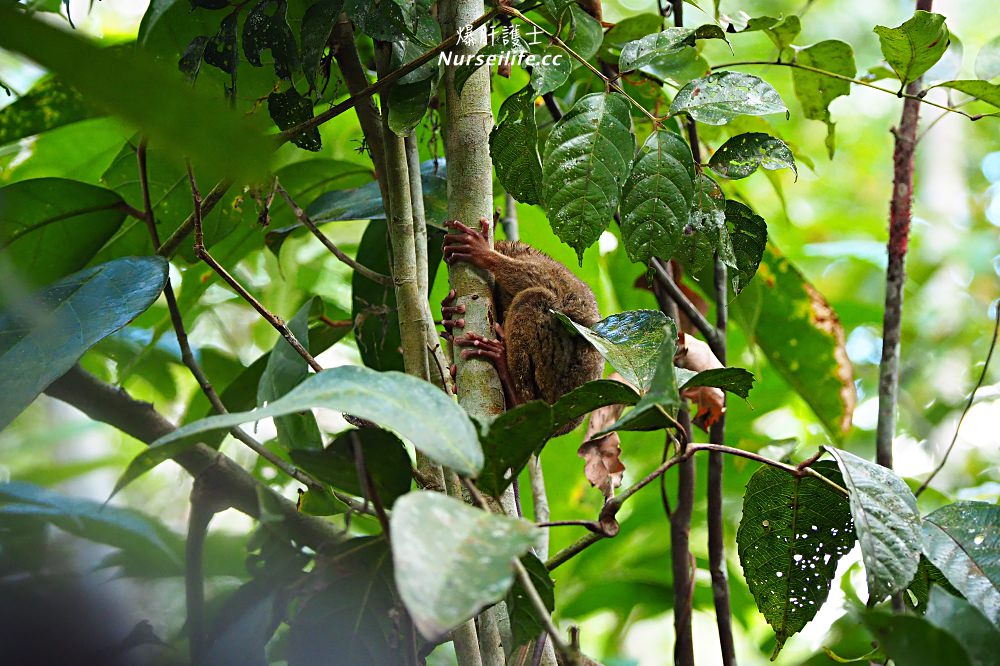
[285,370]
[886,521]
[978,636]
[49,104]
[585,162]
[963,541]
[981,90]
[705,233]
[659,404]
[44,335]
[748,237]
[793,533]
[452,560]
[816,91]
[741,155]
[801,336]
[721,96]
[629,341]
[657,197]
[173,114]
[913,47]
[910,640]
[654,47]
[514,147]
[627,30]
[353,618]
[409,96]
[410,407]
[553,69]
[51,227]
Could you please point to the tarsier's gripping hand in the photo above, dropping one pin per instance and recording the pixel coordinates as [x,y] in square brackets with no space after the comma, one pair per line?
[468,245]
[693,354]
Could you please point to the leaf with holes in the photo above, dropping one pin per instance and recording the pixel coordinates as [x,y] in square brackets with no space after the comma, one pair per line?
[414,409]
[42,336]
[657,197]
[584,164]
[514,147]
[629,341]
[265,29]
[748,236]
[963,541]
[384,20]
[913,47]
[291,108]
[719,97]
[793,532]
[705,232]
[452,560]
[816,91]
[887,523]
[741,155]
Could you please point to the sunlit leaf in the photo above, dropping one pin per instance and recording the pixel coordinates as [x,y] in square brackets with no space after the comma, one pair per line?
[781,31]
[981,90]
[722,96]
[815,91]
[988,60]
[913,47]
[50,103]
[741,155]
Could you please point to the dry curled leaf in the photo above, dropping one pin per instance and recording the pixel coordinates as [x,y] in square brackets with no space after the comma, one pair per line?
[694,354]
[602,456]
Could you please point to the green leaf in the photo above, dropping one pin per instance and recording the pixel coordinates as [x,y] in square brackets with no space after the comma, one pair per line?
[977,635]
[742,154]
[170,112]
[51,227]
[385,459]
[553,70]
[285,370]
[585,34]
[780,31]
[290,108]
[802,337]
[270,30]
[654,47]
[585,162]
[514,147]
[719,97]
[887,523]
[816,91]
[988,60]
[629,341]
[509,440]
[409,97]
[627,30]
[705,232]
[525,625]
[383,20]
[734,380]
[44,335]
[910,640]
[354,617]
[452,560]
[222,52]
[410,407]
[949,66]
[963,541]
[317,27]
[121,528]
[498,49]
[748,236]
[663,397]
[50,103]
[927,577]
[913,47]
[793,532]
[656,197]
[981,90]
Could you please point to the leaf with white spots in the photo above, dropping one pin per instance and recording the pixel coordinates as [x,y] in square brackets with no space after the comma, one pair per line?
[452,560]
[793,532]
[741,155]
[721,96]
[887,523]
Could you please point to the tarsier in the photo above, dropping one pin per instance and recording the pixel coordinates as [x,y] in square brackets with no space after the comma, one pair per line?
[535,356]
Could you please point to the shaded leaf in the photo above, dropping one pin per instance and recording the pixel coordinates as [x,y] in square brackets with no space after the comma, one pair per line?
[290,108]
[963,541]
[793,532]
[949,66]
[913,47]
[656,197]
[705,232]
[603,466]
[383,20]
[719,97]
[317,26]
[585,34]
[887,523]
[981,90]
[409,97]
[734,380]
[193,56]
[741,155]
[44,335]
[525,625]
[221,51]
[816,91]
[50,103]
[285,370]
[269,30]
[51,227]
[411,407]
[553,70]
[514,147]
[584,164]
[977,635]
[910,640]
[452,560]
[927,577]
[748,236]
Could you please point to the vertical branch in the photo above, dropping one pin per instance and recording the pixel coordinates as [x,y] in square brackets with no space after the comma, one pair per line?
[895,276]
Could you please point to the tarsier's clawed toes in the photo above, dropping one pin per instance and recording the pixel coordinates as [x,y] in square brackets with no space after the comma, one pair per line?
[467,245]
[494,351]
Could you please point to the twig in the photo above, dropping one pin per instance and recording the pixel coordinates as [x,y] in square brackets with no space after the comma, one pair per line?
[684,303]
[202,253]
[187,226]
[205,503]
[368,484]
[968,405]
[307,222]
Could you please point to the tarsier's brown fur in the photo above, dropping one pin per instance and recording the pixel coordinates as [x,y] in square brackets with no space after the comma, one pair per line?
[545,360]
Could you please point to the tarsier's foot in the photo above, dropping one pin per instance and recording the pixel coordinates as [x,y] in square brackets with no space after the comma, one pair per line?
[494,351]
[448,319]
[468,245]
